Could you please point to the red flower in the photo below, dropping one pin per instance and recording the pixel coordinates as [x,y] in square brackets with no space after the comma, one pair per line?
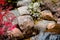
[12,27]
[0,17]
[9,25]
[2,2]
[6,24]
[1,31]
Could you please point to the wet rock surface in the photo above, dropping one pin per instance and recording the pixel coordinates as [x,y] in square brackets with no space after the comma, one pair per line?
[46,36]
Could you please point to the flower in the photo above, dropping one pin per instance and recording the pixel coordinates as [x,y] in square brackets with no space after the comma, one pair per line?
[2,2]
[6,25]
[36,5]
[1,31]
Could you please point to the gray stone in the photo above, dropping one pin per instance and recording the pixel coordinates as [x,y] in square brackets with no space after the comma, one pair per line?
[23,2]
[25,22]
[43,24]
[15,12]
[23,10]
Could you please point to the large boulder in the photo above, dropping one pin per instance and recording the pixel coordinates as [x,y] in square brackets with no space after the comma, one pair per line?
[26,25]
[25,22]
[43,24]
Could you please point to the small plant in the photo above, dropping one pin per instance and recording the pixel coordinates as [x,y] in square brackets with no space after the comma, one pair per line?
[34,9]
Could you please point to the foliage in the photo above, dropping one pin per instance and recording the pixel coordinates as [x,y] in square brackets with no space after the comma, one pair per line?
[6,25]
[36,0]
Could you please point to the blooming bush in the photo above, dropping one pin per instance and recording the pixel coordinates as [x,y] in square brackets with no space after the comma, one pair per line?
[6,25]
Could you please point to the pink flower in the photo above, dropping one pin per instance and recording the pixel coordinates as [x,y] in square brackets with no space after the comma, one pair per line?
[12,27]
[6,24]
[1,31]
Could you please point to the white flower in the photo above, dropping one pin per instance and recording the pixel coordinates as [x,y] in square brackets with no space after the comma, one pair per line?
[35,15]
[30,5]
[36,5]
[38,10]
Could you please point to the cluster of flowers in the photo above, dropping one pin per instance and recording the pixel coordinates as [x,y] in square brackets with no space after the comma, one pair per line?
[6,18]
[34,9]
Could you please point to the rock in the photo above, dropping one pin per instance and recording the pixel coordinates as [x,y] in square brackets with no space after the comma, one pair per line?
[58,9]
[20,3]
[46,14]
[23,2]
[27,1]
[58,21]
[12,16]
[57,14]
[51,25]
[49,4]
[51,1]
[15,12]
[58,3]
[25,22]
[15,33]
[14,21]
[23,10]
[43,24]
[46,36]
